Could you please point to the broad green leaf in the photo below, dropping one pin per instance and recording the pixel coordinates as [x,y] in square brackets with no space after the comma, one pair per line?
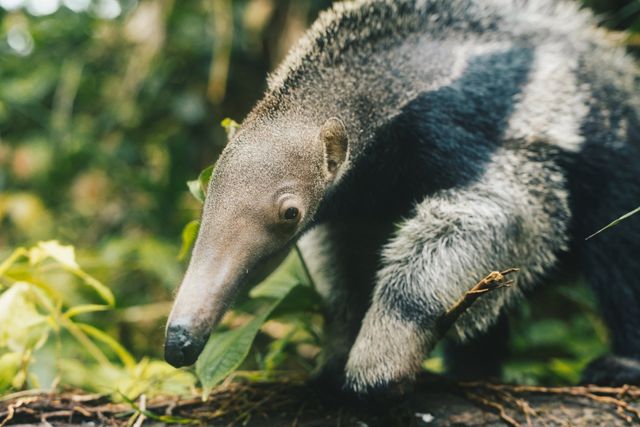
[189,234]
[289,274]
[566,369]
[291,280]
[225,351]
[301,300]
[434,364]
[9,368]
[22,326]
[126,357]
[64,254]
[275,286]
[26,276]
[616,222]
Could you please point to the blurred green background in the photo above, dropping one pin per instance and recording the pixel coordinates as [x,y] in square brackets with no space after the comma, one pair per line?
[107,108]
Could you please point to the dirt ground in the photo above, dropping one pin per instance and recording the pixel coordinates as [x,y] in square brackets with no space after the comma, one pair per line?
[436,401]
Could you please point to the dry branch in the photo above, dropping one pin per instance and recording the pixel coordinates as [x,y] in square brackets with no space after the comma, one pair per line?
[494,280]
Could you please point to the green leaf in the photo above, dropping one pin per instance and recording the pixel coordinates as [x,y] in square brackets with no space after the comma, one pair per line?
[275,286]
[9,367]
[301,301]
[194,189]
[198,187]
[17,254]
[64,254]
[225,351]
[289,274]
[616,222]
[22,326]
[25,276]
[205,177]
[189,234]
[290,280]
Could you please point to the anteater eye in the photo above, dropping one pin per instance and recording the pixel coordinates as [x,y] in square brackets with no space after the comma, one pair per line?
[291,213]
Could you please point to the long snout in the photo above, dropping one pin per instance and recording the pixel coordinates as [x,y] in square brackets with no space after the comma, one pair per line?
[217,269]
[204,295]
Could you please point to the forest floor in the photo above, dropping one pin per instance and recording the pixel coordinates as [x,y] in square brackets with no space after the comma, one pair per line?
[436,401]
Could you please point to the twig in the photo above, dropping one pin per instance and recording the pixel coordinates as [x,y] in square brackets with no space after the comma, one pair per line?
[502,412]
[143,408]
[605,396]
[11,410]
[495,280]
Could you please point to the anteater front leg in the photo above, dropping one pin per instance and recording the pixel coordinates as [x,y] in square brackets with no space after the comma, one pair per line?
[342,259]
[513,217]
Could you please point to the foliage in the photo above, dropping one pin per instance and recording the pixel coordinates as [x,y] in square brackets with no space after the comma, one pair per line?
[39,316]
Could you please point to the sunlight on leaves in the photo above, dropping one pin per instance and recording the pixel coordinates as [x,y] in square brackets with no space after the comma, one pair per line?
[9,368]
[65,255]
[22,326]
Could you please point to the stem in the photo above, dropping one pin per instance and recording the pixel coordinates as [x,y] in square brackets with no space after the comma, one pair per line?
[494,280]
[20,252]
[304,265]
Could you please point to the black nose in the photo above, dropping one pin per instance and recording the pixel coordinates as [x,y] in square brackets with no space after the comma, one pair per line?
[181,348]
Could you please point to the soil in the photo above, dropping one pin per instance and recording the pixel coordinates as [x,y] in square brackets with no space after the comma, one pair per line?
[435,401]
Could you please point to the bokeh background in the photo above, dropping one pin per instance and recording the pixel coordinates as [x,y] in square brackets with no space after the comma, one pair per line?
[108,107]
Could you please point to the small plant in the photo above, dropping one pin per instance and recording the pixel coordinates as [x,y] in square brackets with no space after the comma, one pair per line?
[44,342]
[32,309]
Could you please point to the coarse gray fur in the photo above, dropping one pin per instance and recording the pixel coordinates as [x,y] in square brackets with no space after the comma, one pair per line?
[426,143]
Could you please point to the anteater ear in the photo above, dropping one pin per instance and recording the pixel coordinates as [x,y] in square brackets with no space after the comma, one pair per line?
[333,136]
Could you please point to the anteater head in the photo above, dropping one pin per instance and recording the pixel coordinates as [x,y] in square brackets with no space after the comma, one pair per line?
[265,189]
